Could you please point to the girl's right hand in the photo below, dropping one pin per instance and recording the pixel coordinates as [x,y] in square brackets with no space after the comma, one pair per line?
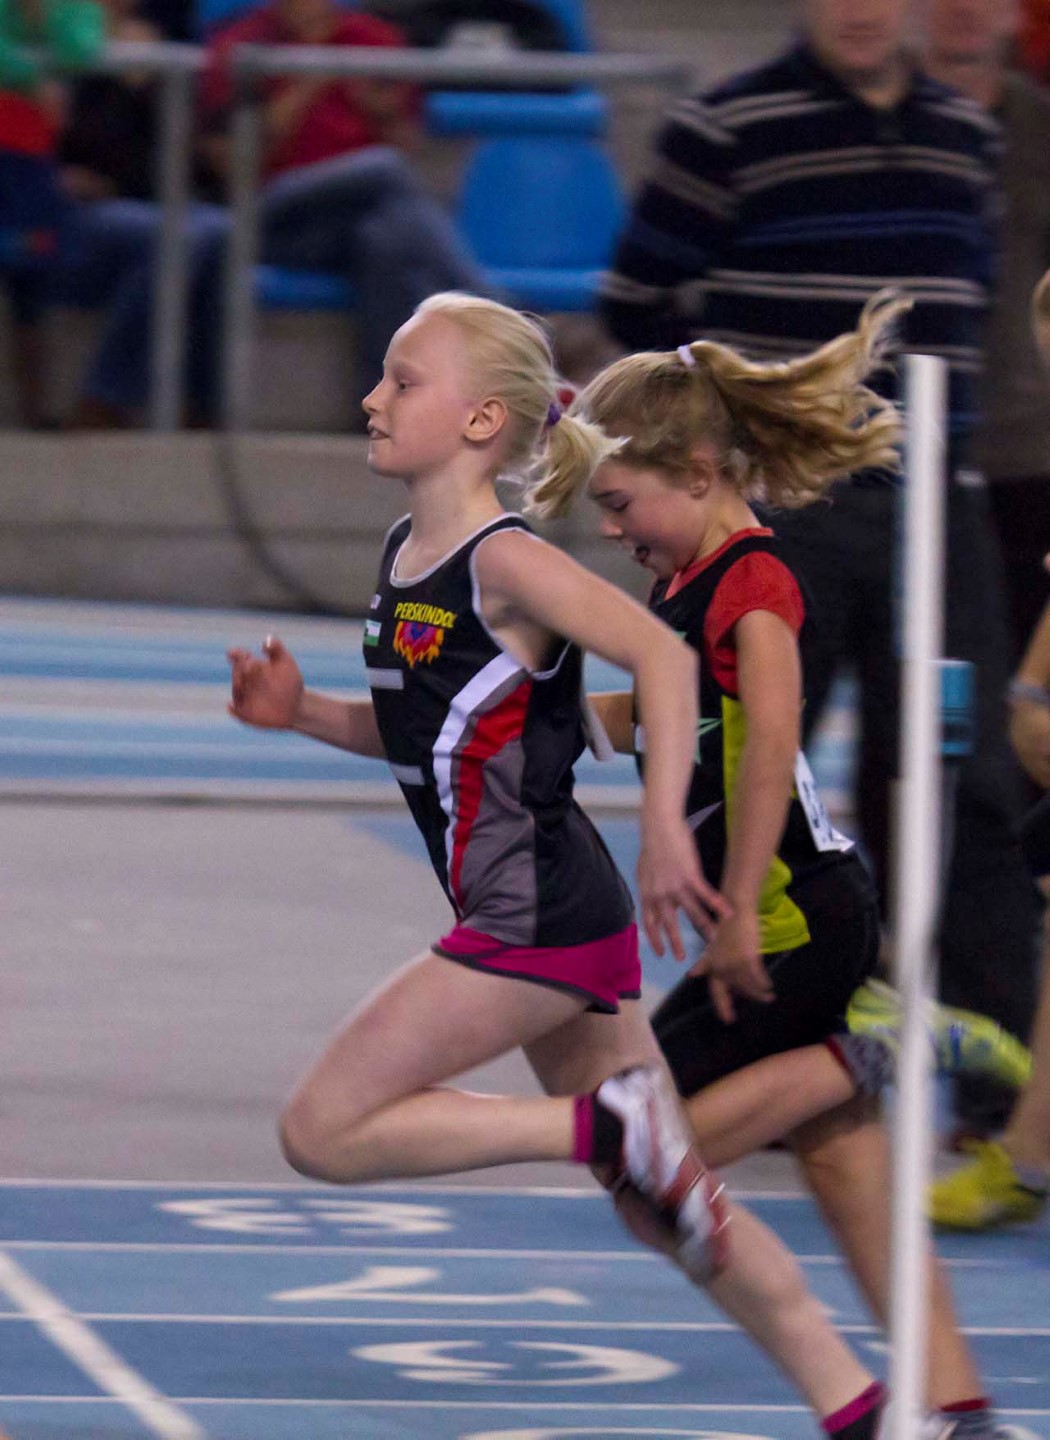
[670,879]
[265,692]
[733,964]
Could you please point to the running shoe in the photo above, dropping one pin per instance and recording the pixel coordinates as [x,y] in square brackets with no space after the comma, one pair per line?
[659,1161]
[942,1427]
[985,1193]
[964,1043]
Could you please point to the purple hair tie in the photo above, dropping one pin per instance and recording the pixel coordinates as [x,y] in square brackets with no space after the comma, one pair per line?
[553,414]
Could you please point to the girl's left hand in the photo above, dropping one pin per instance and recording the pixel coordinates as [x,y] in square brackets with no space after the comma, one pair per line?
[670,879]
[733,962]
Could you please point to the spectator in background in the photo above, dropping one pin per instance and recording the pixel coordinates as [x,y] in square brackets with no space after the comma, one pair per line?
[338,196]
[110,221]
[966,47]
[71,32]
[778,203]
[1033,41]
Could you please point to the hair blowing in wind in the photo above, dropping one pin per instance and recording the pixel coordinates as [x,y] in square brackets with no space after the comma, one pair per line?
[784,431]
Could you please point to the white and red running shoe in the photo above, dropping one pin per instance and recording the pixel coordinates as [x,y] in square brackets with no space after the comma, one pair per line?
[660,1162]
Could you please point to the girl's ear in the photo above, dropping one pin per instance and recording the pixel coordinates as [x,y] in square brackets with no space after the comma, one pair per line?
[703,470]
[486,419]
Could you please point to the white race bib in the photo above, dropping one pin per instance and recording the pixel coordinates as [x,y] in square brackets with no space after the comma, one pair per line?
[825,836]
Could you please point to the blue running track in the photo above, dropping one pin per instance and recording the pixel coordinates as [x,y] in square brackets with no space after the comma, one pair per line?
[131,700]
[248,1313]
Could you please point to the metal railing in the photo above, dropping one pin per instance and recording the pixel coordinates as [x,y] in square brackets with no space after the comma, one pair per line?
[177,66]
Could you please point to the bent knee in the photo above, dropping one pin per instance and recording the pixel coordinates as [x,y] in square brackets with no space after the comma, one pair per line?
[299,1143]
[308,1141]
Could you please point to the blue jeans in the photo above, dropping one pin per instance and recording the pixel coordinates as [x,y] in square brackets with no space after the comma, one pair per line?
[105,259]
[30,210]
[363,216]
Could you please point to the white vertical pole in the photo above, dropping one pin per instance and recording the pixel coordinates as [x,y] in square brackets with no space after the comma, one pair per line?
[917,864]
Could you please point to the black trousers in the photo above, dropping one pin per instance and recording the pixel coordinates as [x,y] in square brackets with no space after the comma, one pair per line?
[812,986]
[1021,514]
[846,552]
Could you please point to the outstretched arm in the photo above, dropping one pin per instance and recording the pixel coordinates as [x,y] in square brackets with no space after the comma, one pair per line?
[269,692]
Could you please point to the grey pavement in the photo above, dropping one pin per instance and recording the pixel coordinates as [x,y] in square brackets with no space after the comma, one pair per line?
[167,971]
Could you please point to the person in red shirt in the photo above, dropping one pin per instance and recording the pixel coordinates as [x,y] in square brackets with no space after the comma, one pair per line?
[338,196]
[1033,41]
[310,117]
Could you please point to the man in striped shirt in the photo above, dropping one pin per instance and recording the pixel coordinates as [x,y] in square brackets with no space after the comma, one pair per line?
[777,203]
[780,200]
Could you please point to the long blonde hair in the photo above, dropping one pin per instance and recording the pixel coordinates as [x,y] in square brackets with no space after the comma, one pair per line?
[784,431]
[510,356]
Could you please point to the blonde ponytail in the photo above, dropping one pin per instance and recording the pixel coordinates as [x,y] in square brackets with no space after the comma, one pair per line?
[784,431]
[574,450]
[803,424]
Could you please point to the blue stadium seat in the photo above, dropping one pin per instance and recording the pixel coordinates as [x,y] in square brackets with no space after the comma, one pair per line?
[511,112]
[542,215]
[212,14]
[280,289]
[567,278]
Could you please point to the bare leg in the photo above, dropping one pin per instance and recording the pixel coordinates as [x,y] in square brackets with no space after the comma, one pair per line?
[370,1108]
[1027,1135]
[762,1288]
[846,1159]
[766,1101]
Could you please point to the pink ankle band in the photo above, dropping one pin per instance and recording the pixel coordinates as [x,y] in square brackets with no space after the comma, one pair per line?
[863,1405]
[583,1129]
[965,1407]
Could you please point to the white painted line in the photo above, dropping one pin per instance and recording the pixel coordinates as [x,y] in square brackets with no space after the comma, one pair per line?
[416,1322]
[562,1192]
[645,1257]
[348,1251]
[470,1405]
[707,1327]
[101,1364]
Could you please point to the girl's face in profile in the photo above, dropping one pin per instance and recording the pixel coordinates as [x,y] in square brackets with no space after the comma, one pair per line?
[652,514]
[418,412]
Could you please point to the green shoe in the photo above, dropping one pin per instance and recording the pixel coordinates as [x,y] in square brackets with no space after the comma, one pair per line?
[963,1041]
[984,1193]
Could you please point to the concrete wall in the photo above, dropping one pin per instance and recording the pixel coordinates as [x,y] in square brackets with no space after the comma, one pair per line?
[133,517]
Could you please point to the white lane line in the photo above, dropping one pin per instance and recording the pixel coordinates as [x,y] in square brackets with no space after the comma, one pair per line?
[392,1187]
[267,1402]
[349,1249]
[713,1327]
[257,1402]
[93,1356]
